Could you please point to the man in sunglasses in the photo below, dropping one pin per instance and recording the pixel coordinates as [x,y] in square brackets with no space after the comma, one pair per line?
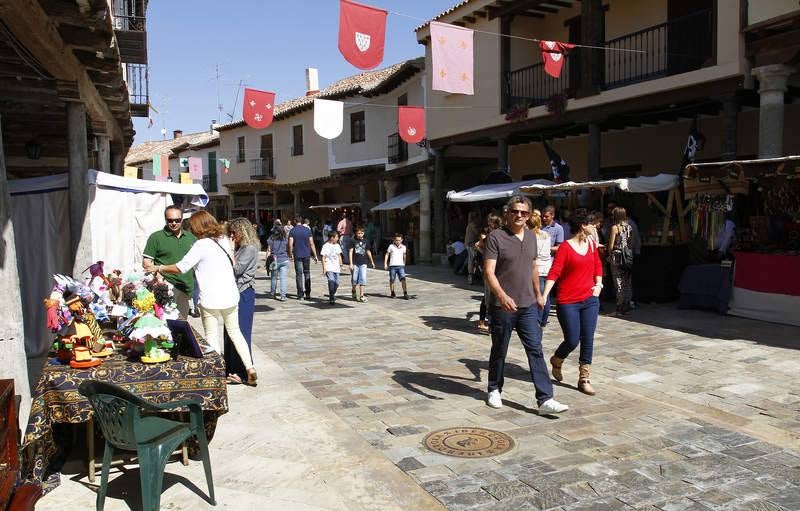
[509,268]
[168,246]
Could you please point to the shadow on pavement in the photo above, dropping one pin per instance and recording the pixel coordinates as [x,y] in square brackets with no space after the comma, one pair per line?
[715,326]
[447,384]
[127,485]
[449,323]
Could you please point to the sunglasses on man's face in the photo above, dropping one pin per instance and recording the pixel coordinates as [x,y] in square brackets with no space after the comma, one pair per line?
[174,220]
[519,212]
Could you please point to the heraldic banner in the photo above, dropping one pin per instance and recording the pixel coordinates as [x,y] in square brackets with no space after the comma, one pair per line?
[362,32]
[411,123]
[257,108]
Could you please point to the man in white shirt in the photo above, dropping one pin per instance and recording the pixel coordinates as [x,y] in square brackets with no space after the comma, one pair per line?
[395,261]
[332,264]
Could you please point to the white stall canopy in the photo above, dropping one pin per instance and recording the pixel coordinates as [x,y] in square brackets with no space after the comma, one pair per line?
[401,201]
[493,191]
[644,184]
[338,205]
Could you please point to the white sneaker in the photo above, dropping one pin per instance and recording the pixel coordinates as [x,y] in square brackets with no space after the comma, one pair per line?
[494,399]
[552,406]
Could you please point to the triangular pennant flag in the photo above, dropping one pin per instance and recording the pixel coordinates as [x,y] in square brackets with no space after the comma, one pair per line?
[258,107]
[411,123]
[196,167]
[328,118]
[362,31]
[226,164]
[694,143]
[553,56]
[452,58]
[165,165]
[557,164]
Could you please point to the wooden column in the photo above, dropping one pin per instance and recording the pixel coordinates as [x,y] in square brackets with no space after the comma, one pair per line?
[502,155]
[295,203]
[12,337]
[505,63]
[78,167]
[593,168]
[362,202]
[391,189]
[255,206]
[592,61]
[730,116]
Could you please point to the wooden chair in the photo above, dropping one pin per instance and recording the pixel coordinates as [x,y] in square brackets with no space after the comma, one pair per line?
[154,438]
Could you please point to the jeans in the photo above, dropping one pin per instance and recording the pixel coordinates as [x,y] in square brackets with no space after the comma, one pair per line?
[333,283]
[345,242]
[578,321]
[281,270]
[544,313]
[526,321]
[216,321]
[397,272]
[359,277]
[302,275]
[247,305]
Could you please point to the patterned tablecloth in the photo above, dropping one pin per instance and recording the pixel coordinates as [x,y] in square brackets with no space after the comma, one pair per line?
[56,399]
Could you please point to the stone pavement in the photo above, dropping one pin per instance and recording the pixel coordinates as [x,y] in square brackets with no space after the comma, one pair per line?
[277,449]
[694,410]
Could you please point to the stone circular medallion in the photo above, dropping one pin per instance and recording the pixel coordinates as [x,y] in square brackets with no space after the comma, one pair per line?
[468,442]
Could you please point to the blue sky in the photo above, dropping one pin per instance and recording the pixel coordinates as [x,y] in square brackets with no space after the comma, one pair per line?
[267,44]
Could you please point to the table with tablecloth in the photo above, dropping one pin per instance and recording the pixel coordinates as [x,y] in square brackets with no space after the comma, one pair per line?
[766,287]
[706,286]
[56,399]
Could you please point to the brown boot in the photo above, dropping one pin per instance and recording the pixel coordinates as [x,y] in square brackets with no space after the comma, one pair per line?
[583,379]
[557,363]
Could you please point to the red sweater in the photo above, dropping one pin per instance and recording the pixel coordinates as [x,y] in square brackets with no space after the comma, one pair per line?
[576,273]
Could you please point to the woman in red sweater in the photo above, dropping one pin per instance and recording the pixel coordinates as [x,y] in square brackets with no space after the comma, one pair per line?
[579,273]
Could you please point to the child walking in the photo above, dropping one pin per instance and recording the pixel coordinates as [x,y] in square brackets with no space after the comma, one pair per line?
[395,262]
[332,264]
[360,254]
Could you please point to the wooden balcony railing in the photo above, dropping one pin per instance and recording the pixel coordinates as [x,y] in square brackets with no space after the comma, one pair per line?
[397,149]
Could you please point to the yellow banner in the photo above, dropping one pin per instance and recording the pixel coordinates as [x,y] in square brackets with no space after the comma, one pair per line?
[186,178]
[131,172]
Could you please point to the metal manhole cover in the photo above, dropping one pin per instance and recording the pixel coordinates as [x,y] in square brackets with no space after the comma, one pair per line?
[468,442]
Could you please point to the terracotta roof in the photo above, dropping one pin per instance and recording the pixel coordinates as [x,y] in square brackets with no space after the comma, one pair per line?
[143,153]
[444,13]
[367,83]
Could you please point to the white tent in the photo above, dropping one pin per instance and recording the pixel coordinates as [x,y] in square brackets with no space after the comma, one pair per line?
[401,201]
[121,214]
[493,191]
[644,184]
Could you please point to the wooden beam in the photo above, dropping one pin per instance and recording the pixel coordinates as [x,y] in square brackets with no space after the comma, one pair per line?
[32,27]
[542,8]
[469,19]
[560,3]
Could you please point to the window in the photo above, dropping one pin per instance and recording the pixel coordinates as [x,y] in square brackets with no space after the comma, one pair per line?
[297,140]
[358,127]
[240,149]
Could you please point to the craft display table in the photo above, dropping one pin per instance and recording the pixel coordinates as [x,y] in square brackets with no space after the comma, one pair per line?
[766,287]
[56,400]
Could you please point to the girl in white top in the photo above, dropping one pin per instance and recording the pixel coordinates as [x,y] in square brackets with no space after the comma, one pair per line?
[544,258]
[211,257]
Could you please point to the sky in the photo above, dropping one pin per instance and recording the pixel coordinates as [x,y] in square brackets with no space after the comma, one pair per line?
[266,44]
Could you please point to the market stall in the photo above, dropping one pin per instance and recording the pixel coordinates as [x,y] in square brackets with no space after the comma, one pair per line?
[122,213]
[663,241]
[761,198]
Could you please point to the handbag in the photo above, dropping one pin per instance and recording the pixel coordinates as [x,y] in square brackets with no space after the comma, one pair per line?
[269,261]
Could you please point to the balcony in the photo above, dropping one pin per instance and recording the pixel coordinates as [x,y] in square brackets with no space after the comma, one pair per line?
[262,168]
[397,150]
[130,30]
[138,89]
[678,46]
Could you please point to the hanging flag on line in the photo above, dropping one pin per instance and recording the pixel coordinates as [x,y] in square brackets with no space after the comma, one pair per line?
[557,164]
[257,108]
[186,178]
[362,32]
[411,123]
[226,164]
[694,143]
[160,165]
[452,56]
[328,118]
[131,172]
[196,167]
[553,56]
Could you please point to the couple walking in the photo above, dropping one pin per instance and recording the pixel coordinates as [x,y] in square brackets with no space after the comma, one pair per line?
[510,270]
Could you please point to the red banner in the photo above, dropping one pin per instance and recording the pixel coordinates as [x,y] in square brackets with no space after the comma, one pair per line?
[553,56]
[362,31]
[768,273]
[258,107]
[411,123]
